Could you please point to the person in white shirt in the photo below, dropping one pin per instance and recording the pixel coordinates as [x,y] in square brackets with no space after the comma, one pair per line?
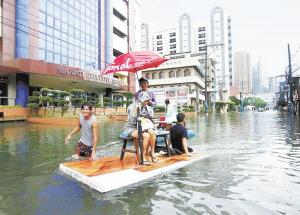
[171,114]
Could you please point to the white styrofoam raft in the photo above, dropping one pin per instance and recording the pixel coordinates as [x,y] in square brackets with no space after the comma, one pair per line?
[111,181]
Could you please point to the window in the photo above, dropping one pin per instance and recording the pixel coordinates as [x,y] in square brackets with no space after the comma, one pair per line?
[159,36]
[201,29]
[159,48]
[42,54]
[159,42]
[171,74]
[50,8]
[201,48]
[172,34]
[201,42]
[160,75]
[50,20]
[49,56]
[187,72]
[173,46]
[42,17]
[173,40]
[173,52]
[178,73]
[201,35]
[153,75]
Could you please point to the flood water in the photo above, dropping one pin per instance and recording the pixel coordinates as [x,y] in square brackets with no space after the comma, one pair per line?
[252,166]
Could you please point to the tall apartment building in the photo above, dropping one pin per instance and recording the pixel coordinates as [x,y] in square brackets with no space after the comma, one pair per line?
[186,37]
[242,72]
[230,64]
[58,44]
[256,78]
[122,32]
[145,42]
[220,35]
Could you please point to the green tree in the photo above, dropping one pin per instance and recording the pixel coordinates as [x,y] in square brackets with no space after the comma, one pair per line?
[34,101]
[235,100]
[77,98]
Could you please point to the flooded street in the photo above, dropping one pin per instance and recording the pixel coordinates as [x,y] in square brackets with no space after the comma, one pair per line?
[251,166]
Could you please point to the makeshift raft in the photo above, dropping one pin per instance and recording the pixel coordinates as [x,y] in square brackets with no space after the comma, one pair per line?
[111,173]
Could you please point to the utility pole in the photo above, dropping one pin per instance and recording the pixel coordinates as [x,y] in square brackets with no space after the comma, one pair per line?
[241,103]
[205,81]
[290,83]
[205,76]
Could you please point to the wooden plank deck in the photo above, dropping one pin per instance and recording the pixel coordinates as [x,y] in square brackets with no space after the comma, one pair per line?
[111,173]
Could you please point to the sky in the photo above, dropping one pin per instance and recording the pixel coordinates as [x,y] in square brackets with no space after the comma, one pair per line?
[261,27]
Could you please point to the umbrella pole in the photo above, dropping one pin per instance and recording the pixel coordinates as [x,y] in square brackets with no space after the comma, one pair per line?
[140,132]
[140,136]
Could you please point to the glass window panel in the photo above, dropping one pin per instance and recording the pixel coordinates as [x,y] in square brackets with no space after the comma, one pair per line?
[42,54]
[64,15]
[43,5]
[50,20]
[77,23]
[64,5]
[71,62]
[71,31]
[49,56]
[42,43]
[57,48]
[64,27]
[71,40]
[64,60]
[57,24]
[42,36]
[42,17]
[77,5]
[42,28]
[71,19]
[77,33]
[57,12]
[82,36]
[64,51]
[57,33]
[64,44]
[50,31]
[57,58]
[76,63]
[49,46]
[64,36]
[50,8]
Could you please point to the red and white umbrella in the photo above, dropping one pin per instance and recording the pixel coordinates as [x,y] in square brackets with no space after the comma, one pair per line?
[134,61]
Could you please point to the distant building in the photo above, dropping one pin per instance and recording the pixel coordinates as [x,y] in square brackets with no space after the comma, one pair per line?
[230,57]
[187,37]
[256,78]
[181,79]
[220,35]
[145,42]
[242,73]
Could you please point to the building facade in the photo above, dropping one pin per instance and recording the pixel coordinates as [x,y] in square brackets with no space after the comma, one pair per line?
[181,79]
[242,73]
[53,44]
[219,37]
[184,38]
[145,41]
[256,78]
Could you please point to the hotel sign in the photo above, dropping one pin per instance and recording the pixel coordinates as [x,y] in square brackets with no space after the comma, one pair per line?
[88,75]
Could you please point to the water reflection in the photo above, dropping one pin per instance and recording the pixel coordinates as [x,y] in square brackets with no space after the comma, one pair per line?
[251,166]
